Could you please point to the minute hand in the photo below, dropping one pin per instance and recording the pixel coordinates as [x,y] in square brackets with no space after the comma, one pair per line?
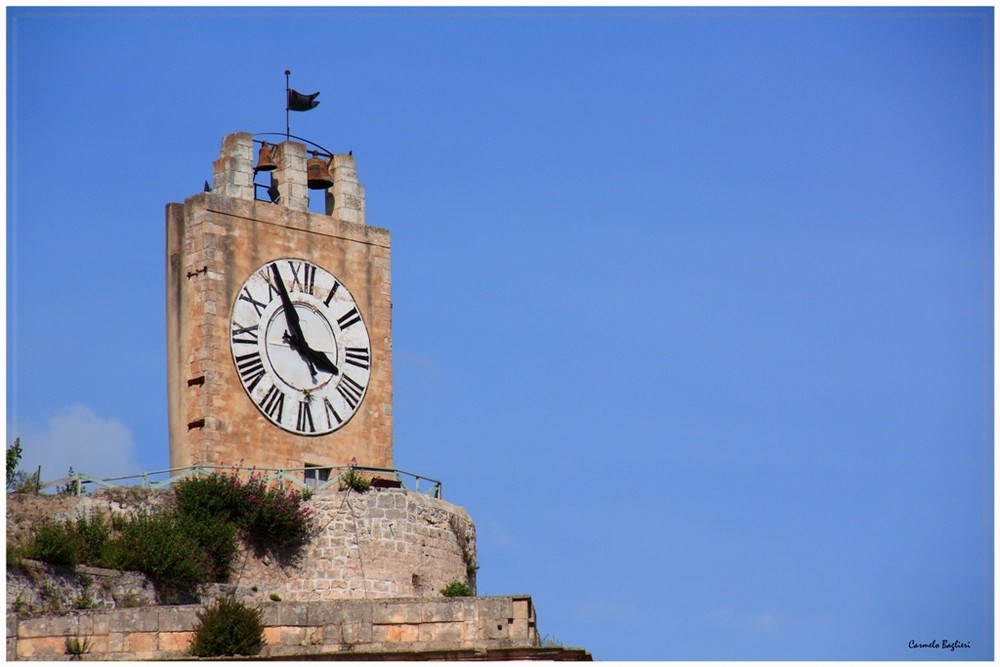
[297,339]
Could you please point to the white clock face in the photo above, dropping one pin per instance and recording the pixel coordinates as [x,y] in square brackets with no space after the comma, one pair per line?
[300,346]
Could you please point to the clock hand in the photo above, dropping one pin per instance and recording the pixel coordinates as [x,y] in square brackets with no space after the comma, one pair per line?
[297,340]
[291,316]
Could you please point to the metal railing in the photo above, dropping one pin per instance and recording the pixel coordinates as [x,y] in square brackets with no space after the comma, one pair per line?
[75,483]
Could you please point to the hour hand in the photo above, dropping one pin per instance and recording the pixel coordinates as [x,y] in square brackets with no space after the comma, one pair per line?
[320,360]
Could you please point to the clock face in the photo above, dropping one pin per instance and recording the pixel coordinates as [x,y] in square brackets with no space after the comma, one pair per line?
[300,346]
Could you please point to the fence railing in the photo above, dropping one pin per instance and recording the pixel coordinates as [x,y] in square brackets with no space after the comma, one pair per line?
[313,478]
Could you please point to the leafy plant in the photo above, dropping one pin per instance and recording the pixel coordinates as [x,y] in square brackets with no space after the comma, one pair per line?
[274,520]
[456,589]
[132,600]
[157,544]
[13,460]
[269,519]
[275,597]
[354,481]
[55,543]
[76,648]
[186,546]
[228,627]
[15,555]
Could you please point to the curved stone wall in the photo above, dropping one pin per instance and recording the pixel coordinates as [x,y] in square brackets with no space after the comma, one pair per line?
[380,544]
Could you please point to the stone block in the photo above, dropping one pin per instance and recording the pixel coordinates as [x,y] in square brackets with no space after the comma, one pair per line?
[140,642]
[441,633]
[41,647]
[356,633]
[292,635]
[397,612]
[175,642]
[272,635]
[443,611]
[176,619]
[395,634]
[521,607]
[47,626]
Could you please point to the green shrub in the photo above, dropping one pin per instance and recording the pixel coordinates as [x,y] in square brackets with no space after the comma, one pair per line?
[213,497]
[354,481]
[55,543]
[182,548]
[155,543]
[76,648]
[217,538]
[275,521]
[15,555]
[228,627]
[270,520]
[456,589]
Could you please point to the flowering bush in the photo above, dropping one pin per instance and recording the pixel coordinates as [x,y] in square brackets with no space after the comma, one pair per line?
[270,520]
[273,520]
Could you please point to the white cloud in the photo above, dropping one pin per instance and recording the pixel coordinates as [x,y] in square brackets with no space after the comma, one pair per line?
[78,437]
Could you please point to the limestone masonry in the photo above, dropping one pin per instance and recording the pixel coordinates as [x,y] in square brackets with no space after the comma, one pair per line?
[215,240]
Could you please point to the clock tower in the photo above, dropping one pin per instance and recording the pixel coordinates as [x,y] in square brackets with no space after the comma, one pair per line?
[279,348]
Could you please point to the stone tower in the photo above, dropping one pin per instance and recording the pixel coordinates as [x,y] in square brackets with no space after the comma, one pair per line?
[279,342]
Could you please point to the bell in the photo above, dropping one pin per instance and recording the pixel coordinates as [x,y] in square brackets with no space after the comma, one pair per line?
[317,173]
[265,161]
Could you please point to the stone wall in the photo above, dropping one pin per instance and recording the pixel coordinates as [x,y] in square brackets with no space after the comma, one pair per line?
[380,544]
[384,543]
[357,627]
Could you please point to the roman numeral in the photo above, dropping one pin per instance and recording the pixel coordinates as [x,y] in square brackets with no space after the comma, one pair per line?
[251,369]
[242,334]
[307,280]
[330,411]
[305,420]
[257,305]
[268,278]
[273,403]
[350,317]
[351,391]
[358,356]
[329,297]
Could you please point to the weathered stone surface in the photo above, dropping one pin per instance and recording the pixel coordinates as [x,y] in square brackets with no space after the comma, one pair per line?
[227,235]
[370,626]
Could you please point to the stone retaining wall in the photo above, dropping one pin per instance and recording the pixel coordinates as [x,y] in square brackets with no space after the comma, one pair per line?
[384,543]
[377,626]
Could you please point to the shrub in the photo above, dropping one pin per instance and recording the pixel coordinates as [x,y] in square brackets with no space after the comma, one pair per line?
[76,648]
[228,627]
[456,589]
[213,497]
[354,481]
[155,543]
[55,543]
[15,555]
[275,521]
[217,538]
[270,520]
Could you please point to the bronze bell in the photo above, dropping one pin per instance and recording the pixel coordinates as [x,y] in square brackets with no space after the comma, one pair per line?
[318,173]
[265,161]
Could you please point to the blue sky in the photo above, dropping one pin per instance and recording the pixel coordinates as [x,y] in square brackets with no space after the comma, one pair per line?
[693,308]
